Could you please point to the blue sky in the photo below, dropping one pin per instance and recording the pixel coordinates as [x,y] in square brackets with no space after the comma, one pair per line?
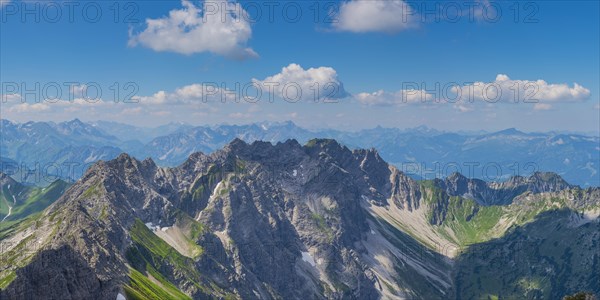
[381,52]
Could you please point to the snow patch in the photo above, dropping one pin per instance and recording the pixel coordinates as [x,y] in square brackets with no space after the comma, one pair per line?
[166,155]
[91,158]
[295,173]
[152,227]
[308,258]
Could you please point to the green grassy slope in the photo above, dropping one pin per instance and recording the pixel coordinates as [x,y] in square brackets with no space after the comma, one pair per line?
[29,199]
[151,257]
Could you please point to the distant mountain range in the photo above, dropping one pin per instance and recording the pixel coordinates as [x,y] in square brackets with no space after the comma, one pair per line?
[420,152]
[292,221]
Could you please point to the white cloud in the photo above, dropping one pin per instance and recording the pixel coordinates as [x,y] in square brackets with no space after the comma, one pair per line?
[195,91]
[464,98]
[239,115]
[504,89]
[190,94]
[463,108]
[10,97]
[61,105]
[219,26]
[80,102]
[80,90]
[28,108]
[375,16]
[294,83]
[159,97]
[132,111]
[382,98]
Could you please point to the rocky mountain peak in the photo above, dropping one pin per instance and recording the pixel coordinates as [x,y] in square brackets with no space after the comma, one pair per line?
[250,219]
[494,193]
[124,161]
[457,177]
[509,131]
[328,147]
[236,144]
[540,182]
[329,144]
[548,177]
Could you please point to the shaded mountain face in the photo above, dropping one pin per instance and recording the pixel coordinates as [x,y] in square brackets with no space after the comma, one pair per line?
[318,221]
[493,193]
[555,253]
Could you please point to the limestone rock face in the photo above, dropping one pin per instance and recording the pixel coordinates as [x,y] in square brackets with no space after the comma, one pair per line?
[254,221]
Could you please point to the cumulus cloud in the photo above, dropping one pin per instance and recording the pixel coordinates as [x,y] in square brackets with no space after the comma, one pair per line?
[375,16]
[294,83]
[504,89]
[383,98]
[219,26]
[190,94]
[464,97]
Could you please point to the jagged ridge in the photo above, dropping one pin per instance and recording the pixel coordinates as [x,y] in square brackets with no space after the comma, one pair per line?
[331,222]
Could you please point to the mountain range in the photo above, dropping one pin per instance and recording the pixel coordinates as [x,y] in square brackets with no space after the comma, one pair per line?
[291,221]
[66,149]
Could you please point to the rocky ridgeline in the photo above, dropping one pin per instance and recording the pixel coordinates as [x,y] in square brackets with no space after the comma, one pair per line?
[253,221]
